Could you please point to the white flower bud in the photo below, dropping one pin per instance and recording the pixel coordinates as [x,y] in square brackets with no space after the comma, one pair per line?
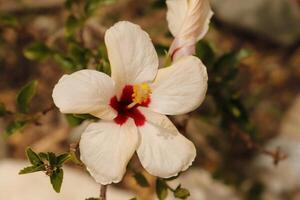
[188,22]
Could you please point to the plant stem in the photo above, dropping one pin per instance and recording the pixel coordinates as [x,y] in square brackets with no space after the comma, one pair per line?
[103,189]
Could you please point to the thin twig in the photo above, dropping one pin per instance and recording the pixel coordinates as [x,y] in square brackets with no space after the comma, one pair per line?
[103,189]
[277,155]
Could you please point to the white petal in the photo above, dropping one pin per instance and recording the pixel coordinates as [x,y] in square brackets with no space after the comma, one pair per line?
[131,53]
[163,151]
[177,10]
[189,17]
[85,91]
[106,148]
[179,88]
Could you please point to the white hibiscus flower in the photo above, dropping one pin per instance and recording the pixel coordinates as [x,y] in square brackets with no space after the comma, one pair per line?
[188,22]
[132,104]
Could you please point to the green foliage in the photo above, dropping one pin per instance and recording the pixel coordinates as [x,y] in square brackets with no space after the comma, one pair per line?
[56,179]
[77,119]
[161,189]
[25,96]
[205,52]
[181,193]
[70,3]
[37,51]
[64,62]
[13,127]
[91,198]
[32,169]
[33,157]
[8,20]
[91,5]
[134,198]
[79,54]
[73,121]
[141,179]
[72,24]
[48,162]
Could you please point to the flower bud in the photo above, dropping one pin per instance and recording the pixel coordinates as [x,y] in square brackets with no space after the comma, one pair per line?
[188,22]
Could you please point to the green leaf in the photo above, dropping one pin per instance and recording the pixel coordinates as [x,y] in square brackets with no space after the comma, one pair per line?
[91,5]
[64,62]
[104,67]
[52,159]
[133,198]
[141,179]
[14,127]
[91,198]
[181,193]
[61,159]
[25,96]
[9,20]
[161,189]
[226,65]
[3,110]
[205,52]
[32,169]
[56,179]
[84,116]
[43,156]
[33,157]
[73,120]
[71,25]
[79,55]
[37,51]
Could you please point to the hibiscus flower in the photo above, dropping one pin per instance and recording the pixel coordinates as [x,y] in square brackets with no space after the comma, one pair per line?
[132,105]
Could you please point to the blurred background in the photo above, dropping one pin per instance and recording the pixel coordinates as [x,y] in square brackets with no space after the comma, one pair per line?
[247,132]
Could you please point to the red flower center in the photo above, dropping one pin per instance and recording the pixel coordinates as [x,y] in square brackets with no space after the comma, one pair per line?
[125,111]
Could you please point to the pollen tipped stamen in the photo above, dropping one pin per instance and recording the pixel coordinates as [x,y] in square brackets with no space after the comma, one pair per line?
[141,94]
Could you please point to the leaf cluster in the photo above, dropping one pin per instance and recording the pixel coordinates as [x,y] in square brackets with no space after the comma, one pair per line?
[49,163]
[23,101]
[223,74]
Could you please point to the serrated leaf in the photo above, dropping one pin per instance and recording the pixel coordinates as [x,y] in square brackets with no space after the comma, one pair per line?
[161,189]
[52,159]
[32,169]
[14,127]
[43,156]
[61,159]
[181,193]
[141,180]
[56,179]
[25,96]
[33,157]
[37,51]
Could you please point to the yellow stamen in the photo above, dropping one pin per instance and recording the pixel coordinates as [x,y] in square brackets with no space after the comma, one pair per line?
[141,93]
